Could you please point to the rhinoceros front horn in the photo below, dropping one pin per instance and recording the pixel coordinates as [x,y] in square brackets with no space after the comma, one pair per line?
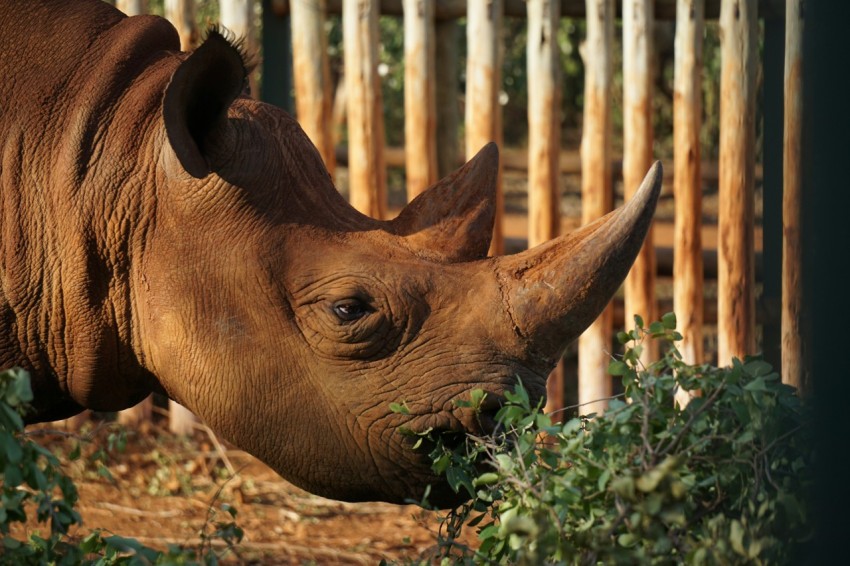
[555,290]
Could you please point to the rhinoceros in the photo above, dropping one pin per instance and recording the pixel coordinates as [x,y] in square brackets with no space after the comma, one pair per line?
[162,231]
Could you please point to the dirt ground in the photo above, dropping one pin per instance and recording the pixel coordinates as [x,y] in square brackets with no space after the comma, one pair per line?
[167,490]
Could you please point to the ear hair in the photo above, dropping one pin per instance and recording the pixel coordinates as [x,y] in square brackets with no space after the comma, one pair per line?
[249,54]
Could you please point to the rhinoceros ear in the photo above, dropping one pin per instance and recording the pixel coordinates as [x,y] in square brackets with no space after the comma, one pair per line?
[196,100]
[452,221]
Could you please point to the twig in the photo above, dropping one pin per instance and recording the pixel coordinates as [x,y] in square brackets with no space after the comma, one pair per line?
[133,511]
[673,443]
[562,409]
[220,449]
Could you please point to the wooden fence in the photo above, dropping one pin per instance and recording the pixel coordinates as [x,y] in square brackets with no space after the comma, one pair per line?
[431,124]
[738,20]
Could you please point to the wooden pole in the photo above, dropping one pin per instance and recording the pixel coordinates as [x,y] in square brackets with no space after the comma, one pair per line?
[792,174]
[181,14]
[137,414]
[597,197]
[453,9]
[638,23]
[544,133]
[448,113]
[366,170]
[180,419]
[420,103]
[132,7]
[687,181]
[312,76]
[238,17]
[544,123]
[736,277]
[483,81]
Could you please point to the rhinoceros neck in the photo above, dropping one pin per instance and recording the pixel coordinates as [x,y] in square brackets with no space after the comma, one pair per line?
[72,126]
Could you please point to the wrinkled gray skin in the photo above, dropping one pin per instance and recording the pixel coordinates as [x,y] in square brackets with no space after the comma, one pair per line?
[161,231]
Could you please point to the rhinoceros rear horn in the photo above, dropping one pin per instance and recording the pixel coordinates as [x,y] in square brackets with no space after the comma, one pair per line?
[196,100]
[452,221]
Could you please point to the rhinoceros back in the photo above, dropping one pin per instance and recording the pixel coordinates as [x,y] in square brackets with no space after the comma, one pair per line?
[68,69]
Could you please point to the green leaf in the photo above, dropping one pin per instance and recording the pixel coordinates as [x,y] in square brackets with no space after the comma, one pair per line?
[11,448]
[756,384]
[488,532]
[758,368]
[617,368]
[505,463]
[638,321]
[570,427]
[736,537]
[668,320]
[14,420]
[92,543]
[400,408]
[12,476]
[476,396]
[458,478]
[603,479]
[656,329]
[487,478]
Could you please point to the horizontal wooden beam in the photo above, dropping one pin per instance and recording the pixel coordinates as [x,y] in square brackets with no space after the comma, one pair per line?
[453,9]
[516,159]
[663,259]
[763,314]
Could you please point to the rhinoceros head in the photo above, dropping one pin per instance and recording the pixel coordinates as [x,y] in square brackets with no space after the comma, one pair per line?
[290,322]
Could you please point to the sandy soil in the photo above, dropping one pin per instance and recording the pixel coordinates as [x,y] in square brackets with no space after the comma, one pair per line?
[166,490]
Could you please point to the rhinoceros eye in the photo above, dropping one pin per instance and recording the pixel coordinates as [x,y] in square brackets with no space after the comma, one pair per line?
[351,309]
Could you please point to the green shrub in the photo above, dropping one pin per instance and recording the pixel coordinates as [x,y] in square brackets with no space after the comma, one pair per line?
[32,478]
[721,481]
